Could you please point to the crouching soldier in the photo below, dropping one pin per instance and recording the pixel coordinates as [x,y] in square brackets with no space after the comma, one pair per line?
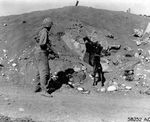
[41,56]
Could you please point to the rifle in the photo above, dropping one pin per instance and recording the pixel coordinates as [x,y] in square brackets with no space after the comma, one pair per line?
[51,52]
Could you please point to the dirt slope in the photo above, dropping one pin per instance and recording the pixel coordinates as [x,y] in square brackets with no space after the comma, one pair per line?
[19,35]
[17,43]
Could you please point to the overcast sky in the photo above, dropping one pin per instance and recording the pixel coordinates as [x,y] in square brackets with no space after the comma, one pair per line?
[9,7]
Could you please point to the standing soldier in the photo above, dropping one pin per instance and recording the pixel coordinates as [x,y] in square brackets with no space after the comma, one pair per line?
[97,67]
[41,56]
[89,49]
[94,49]
[98,71]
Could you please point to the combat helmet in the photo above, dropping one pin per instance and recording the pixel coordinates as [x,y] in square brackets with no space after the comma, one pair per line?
[47,22]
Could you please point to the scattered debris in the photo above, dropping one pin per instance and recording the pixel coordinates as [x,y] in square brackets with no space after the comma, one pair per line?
[14,64]
[11,60]
[114,47]
[110,36]
[136,55]
[142,71]
[84,68]
[138,42]
[85,92]
[103,89]
[128,87]
[130,54]
[24,21]
[4,118]
[112,88]
[80,88]
[21,109]
[129,75]
[79,77]
[147,92]
[138,32]
[4,50]
[128,48]
[123,85]
[5,55]
[6,99]
[4,24]
[77,68]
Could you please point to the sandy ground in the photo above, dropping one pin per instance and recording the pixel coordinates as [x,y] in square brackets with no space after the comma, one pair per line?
[68,105]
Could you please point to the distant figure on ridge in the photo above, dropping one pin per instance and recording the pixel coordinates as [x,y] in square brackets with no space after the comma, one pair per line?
[77,3]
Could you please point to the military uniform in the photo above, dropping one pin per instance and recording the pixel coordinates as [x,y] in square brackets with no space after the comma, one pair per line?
[42,65]
[41,56]
[94,49]
[98,71]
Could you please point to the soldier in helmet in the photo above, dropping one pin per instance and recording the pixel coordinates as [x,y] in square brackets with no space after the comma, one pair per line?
[41,56]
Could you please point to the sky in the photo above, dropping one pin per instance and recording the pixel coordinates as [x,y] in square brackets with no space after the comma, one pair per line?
[11,7]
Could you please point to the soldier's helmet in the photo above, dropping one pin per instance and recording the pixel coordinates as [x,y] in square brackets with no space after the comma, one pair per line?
[47,22]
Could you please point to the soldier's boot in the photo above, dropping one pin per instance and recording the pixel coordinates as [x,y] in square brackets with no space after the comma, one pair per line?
[46,94]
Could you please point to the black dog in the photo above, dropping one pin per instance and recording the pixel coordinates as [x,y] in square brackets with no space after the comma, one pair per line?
[62,77]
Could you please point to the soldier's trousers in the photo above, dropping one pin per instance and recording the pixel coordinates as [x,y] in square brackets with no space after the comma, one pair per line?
[42,71]
[98,75]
